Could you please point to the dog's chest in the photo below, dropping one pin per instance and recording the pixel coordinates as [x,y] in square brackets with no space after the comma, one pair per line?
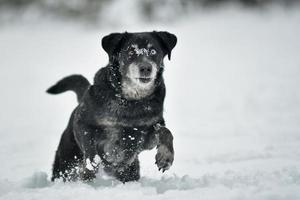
[119,112]
[127,128]
[123,144]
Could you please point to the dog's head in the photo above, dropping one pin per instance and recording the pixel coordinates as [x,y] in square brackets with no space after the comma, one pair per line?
[138,58]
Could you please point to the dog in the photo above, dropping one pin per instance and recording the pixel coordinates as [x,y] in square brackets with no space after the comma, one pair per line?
[121,114]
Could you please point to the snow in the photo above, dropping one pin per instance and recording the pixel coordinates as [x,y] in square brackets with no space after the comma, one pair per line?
[233,105]
[143,51]
[92,164]
[89,164]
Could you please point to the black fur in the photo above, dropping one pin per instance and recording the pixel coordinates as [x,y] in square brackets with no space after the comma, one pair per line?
[76,83]
[109,125]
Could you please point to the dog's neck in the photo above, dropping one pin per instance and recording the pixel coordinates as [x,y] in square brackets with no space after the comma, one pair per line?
[114,77]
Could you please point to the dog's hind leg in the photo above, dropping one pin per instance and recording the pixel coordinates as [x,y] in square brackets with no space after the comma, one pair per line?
[67,158]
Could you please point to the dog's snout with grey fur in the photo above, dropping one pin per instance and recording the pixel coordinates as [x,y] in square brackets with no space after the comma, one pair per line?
[145,70]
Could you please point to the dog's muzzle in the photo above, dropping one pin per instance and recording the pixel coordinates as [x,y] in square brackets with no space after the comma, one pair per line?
[145,71]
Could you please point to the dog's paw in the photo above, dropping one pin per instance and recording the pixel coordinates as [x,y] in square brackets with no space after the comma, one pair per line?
[164,158]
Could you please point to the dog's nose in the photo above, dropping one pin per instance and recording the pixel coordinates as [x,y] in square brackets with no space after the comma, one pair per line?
[145,69]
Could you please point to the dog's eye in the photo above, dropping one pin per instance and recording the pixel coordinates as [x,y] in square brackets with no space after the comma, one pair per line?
[130,53]
[152,52]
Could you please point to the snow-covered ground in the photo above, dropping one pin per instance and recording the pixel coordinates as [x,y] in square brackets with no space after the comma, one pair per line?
[233,104]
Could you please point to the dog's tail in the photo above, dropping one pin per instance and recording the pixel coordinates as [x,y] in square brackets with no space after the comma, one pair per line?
[75,83]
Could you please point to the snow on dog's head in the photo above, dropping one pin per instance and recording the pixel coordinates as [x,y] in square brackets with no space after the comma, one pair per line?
[138,58]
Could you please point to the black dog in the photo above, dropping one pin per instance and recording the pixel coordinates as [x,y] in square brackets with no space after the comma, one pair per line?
[121,114]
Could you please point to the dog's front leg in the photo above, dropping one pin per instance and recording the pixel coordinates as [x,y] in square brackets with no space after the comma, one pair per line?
[91,160]
[86,139]
[165,152]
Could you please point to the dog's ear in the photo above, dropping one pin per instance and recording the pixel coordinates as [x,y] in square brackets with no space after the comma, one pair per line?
[112,42]
[167,41]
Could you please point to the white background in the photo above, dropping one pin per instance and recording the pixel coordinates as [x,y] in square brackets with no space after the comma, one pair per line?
[233,105]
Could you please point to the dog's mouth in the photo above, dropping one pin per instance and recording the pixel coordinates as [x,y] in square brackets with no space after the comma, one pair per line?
[144,80]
